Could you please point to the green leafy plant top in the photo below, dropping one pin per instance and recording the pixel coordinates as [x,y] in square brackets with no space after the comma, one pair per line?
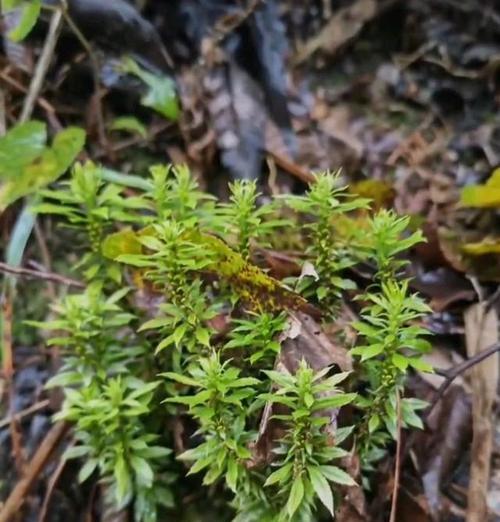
[205,353]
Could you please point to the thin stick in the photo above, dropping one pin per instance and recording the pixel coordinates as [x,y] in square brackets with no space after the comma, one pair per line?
[42,455]
[51,486]
[24,413]
[44,104]
[397,465]
[42,65]
[454,372]
[293,168]
[37,274]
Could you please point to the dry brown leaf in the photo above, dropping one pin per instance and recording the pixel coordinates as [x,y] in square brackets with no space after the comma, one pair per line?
[303,339]
[481,331]
[311,344]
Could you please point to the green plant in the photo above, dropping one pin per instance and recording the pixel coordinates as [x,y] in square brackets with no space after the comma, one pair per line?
[29,11]
[325,202]
[88,327]
[211,336]
[258,336]
[176,195]
[92,206]
[242,219]
[304,471]
[171,264]
[107,403]
[219,405]
[114,439]
[393,342]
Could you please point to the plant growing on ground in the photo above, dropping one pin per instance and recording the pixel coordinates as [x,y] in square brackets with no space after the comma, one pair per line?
[108,404]
[114,439]
[393,341]
[324,202]
[93,207]
[216,351]
[258,335]
[219,405]
[242,219]
[305,472]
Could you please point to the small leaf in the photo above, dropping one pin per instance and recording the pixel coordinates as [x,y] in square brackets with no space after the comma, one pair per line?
[232,474]
[131,124]
[373,423]
[203,336]
[280,475]
[87,470]
[76,452]
[399,361]
[183,379]
[161,95]
[143,470]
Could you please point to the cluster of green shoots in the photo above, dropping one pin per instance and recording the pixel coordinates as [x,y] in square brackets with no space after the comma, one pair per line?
[196,369]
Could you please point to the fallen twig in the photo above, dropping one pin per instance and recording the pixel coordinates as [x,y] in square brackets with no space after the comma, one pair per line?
[38,274]
[451,374]
[39,460]
[24,413]
[296,170]
[50,488]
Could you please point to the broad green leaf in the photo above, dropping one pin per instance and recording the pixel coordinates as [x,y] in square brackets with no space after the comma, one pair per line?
[182,379]
[321,487]
[30,11]
[373,423]
[420,365]
[203,336]
[296,496]
[75,452]
[144,472]
[160,95]
[334,402]
[400,361]
[367,352]
[20,146]
[337,475]
[131,124]
[122,478]
[232,474]
[45,169]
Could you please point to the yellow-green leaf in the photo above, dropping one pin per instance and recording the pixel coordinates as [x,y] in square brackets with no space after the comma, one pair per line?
[120,243]
[21,145]
[487,246]
[483,196]
[46,168]
[29,13]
